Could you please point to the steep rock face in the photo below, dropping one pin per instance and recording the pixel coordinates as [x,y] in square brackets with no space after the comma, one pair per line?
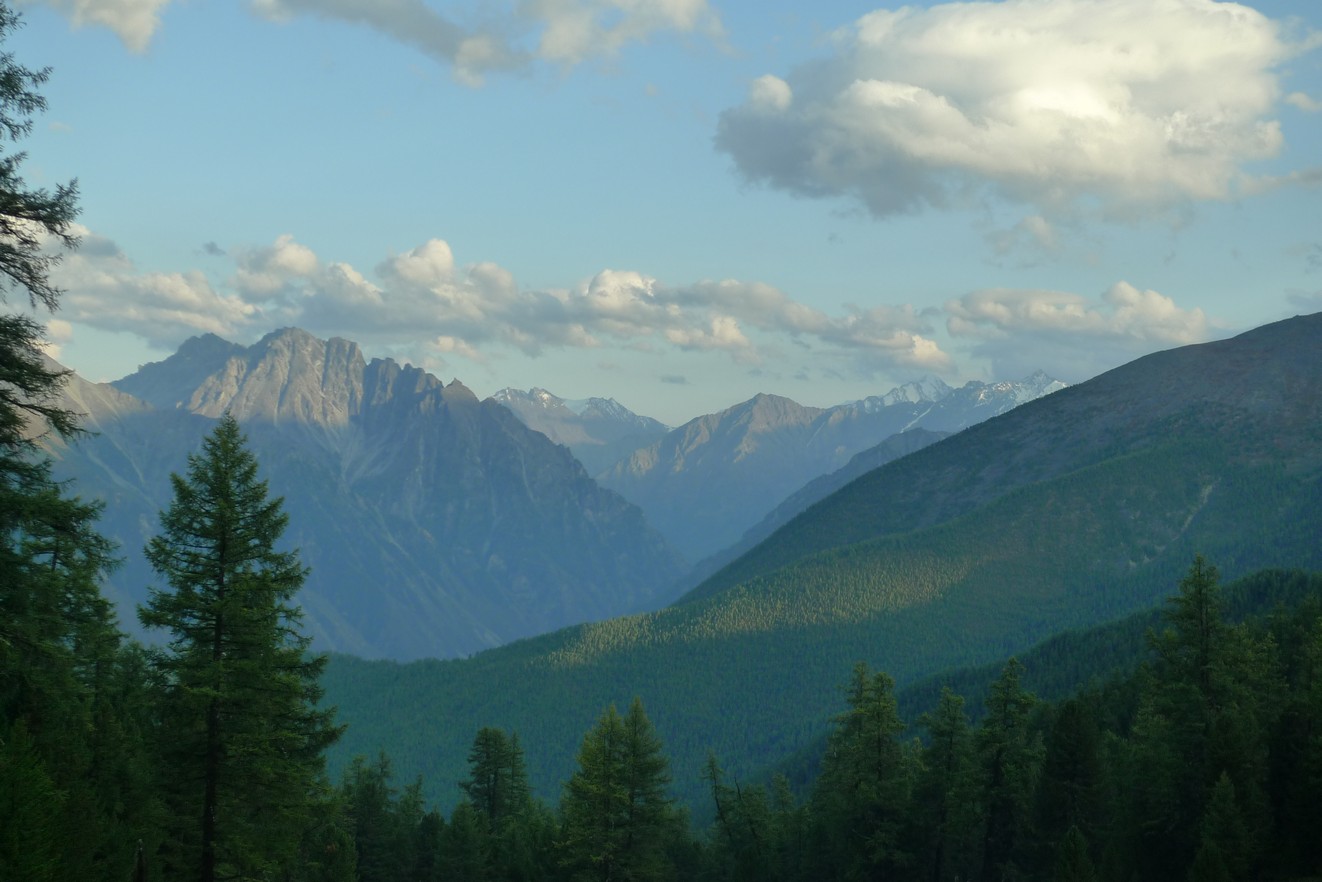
[435,524]
[599,431]
[707,482]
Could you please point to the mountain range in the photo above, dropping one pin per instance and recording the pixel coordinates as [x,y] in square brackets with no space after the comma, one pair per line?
[1075,508]
[598,431]
[435,524]
[705,483]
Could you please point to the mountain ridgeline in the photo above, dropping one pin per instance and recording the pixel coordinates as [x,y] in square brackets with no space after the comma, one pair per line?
[705,483]
[598,431]
[435,524]
[1070,510]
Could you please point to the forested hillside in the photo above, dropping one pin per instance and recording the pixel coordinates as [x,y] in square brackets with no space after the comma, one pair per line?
[1032,543]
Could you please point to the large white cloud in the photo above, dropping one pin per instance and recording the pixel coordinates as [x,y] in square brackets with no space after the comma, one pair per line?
[1124,105]
[422,297]
[1069,335]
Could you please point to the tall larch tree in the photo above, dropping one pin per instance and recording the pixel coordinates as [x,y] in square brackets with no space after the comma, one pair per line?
[243,740]
[617,819]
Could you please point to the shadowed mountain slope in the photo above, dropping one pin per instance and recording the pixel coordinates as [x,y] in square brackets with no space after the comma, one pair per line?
[435,524]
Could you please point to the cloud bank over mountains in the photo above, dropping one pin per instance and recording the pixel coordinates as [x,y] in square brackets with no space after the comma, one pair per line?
[423,298]
[1121,107]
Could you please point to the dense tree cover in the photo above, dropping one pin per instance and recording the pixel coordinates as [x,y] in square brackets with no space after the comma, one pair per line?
[1202,763]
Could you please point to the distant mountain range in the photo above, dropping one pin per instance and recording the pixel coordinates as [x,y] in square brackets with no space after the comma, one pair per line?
[1075,508]
[705,483]
[599,431]
[435,524]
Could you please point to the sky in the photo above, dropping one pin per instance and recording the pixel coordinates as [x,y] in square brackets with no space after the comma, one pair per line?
[681,203]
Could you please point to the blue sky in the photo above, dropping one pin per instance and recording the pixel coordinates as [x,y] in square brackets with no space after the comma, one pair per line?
[681,203]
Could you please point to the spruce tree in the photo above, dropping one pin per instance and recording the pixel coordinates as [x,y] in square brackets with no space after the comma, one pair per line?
[242,738]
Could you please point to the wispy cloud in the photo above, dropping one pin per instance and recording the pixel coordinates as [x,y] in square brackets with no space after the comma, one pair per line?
[560,32]
[1123,106]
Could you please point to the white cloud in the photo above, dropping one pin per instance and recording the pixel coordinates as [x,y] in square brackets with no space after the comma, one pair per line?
[1069,335]
[1125,104]
[263,271]
[103,289]
[134,21]
[421,297]
[58,333]
[770,94]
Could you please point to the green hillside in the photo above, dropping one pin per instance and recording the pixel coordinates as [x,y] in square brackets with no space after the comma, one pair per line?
[1073,510]
[752,672]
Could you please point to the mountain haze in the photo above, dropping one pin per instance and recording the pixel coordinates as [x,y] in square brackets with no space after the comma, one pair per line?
[435,524]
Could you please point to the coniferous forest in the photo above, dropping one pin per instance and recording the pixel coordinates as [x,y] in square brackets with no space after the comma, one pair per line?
[1190,749]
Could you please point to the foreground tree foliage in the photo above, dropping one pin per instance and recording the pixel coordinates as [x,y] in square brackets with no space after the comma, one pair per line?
[75,783]
[243,739]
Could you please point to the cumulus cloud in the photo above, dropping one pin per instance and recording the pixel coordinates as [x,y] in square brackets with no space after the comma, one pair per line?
[423,297]
[264,271]
[1124,106]
[1069,335]
[58,333]
[133,21]
[104,289]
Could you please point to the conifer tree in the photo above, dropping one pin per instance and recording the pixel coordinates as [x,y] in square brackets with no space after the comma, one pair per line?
[498,782]
[944,798]
[617,817]
[1010,755]
[865,783]
[242,737]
